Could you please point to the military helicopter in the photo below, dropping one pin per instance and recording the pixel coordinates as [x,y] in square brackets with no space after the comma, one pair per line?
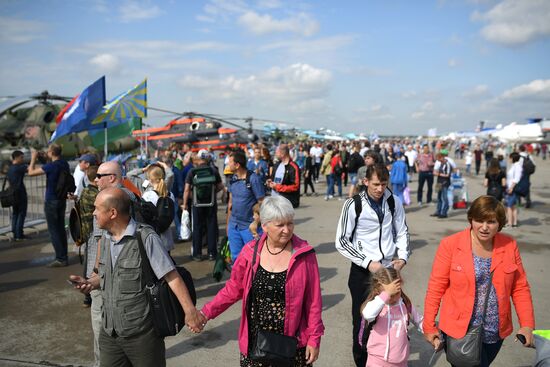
[200,131]
[23,128]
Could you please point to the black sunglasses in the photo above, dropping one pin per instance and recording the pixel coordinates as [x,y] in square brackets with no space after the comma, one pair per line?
[99,175]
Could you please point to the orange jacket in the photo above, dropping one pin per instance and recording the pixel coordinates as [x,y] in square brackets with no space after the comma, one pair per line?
[453,281]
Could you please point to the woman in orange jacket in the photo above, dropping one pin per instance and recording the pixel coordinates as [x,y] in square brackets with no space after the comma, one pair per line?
[460,278]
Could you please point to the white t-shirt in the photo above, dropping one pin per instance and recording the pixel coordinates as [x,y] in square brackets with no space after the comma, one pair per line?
[279,175]
[411,155]
[80,179]
[316,152]
[166,237]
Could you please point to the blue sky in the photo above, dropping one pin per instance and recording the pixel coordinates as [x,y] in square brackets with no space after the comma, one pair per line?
[390,67]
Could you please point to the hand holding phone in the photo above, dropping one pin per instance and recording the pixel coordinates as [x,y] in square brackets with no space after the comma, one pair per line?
[73,282]
[521,338]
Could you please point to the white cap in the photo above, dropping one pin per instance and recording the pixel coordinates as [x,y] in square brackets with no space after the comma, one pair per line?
[203,154]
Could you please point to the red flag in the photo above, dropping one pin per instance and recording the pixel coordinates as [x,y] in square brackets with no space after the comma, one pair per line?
[59,116]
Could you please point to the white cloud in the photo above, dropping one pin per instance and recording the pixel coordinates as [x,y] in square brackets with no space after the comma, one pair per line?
[418,115]
[453,63]
[480,91]
[515,22]
[13,30]
[427,106]
[269,4]
[321,46]
[537,89]
[106,63]
[132,10]
[409,94]
[258,24]
[447,116]
[299,87]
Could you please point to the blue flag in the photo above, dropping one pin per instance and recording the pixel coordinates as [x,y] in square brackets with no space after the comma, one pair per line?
[86,107]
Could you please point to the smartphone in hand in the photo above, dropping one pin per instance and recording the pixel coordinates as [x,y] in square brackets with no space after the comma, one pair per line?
[73,282]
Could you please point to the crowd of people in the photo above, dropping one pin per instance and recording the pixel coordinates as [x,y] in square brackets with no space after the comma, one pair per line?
[274,272]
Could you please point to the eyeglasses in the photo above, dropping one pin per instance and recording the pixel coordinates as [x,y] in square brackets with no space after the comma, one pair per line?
[99,175]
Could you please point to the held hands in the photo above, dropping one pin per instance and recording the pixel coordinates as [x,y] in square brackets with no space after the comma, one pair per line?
[398,264]
[195,321]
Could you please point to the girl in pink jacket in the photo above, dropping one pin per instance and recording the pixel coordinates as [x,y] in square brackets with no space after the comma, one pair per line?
[388,311]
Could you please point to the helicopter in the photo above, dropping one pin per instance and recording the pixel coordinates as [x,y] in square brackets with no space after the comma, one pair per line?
[201,131]
[25,128]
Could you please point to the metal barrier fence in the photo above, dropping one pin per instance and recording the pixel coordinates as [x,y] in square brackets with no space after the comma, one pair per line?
[36,187]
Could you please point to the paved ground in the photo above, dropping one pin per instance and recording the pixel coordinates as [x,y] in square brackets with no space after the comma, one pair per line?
[43,323]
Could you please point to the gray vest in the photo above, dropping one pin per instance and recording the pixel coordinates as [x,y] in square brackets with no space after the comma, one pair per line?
[125,304]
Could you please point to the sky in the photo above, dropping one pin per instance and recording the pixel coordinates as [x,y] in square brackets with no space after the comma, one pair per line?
[386,66]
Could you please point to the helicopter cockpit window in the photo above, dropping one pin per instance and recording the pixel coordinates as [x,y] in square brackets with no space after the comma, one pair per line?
[195,125]
[48,117]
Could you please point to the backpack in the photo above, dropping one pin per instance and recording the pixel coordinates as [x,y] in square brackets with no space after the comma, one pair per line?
[158,216]
[204,180]
[355,161]
[528,166]
[366,327]
[359,209]
[337,169]
[65,184]
[494,188]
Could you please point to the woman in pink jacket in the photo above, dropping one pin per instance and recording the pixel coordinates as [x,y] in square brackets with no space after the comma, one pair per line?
[283,286]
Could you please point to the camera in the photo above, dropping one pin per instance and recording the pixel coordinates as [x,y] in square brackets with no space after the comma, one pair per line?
[42,157]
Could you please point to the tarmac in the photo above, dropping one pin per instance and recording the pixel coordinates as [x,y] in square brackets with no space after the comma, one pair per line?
[43,322]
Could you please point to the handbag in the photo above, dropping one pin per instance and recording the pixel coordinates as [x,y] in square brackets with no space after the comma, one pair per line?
[466,351]
[271,348]
[7,196]
[185,228]
[166,311]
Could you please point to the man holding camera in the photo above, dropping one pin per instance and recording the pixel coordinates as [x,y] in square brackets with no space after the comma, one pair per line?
[54,206]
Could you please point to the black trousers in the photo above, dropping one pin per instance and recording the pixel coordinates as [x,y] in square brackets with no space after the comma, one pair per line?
[308,182]
[359,284]
[427,177]
[205,219]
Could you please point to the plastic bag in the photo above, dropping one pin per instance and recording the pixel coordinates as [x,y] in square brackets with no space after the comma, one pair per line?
[185,228]
[407,196]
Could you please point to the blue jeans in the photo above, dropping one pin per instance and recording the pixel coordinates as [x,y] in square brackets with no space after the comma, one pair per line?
[177,219]
[443,201]
[237,239]
[55,218]
[338,181]
[330,184]
[398,191]
[18,214]
[427,177]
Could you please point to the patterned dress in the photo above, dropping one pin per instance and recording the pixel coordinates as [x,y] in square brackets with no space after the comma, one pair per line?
[268,312]
[482,268]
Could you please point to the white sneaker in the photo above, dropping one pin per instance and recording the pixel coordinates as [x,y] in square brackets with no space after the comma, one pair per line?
[330,196]
[326,198]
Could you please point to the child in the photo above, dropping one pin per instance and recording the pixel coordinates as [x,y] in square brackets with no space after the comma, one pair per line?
[256,226]
[389,310]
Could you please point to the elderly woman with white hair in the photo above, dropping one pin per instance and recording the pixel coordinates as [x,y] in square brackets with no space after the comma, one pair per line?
[277,279]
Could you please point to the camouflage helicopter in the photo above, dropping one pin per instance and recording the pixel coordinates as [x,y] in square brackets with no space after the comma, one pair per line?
[23,128]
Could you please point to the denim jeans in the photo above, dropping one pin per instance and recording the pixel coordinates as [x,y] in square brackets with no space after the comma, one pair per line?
[443,201]
[55,218]
[338,182]
[237,239]
[427,177]
[18,214]
[398,191]
[330,184]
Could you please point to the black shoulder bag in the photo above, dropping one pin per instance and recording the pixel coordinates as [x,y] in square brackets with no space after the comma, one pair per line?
[166,310]
[466,351]
[271,348]
[7,196]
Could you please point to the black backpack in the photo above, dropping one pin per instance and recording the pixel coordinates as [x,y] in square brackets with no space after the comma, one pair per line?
[65,184]
[158,216]
[528,166]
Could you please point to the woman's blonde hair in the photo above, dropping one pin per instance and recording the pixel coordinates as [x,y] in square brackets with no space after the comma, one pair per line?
[256,222]
[384,276]
[156,176]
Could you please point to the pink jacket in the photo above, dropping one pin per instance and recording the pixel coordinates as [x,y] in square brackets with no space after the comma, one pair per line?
[388,338]
[302,294]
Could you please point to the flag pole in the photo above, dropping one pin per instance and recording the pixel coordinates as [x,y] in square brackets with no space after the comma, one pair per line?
[105,149]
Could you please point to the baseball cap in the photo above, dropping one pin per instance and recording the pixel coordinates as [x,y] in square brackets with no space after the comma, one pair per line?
[90,158]
[444,152]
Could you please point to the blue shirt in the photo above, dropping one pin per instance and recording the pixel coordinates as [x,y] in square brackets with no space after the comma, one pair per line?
[489,319]
[243,199]
[260,168]
[52,175]
[16,173]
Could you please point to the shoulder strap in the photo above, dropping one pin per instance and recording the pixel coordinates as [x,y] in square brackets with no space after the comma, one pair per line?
[4,184]
[358,210]
[146,268]
[247,179]
[391,205]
